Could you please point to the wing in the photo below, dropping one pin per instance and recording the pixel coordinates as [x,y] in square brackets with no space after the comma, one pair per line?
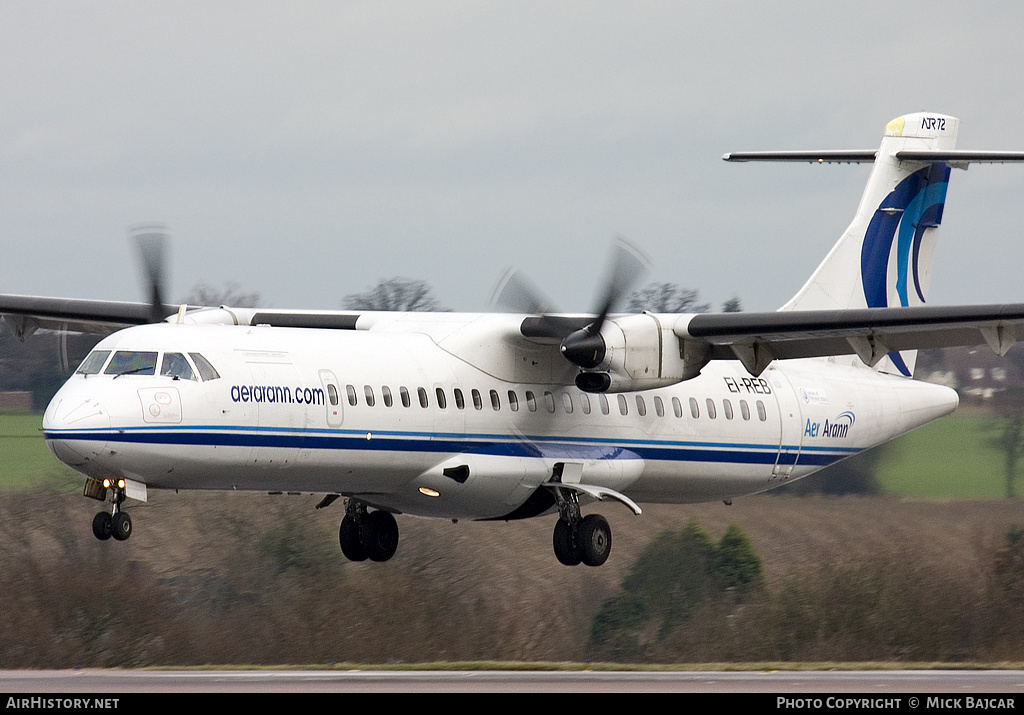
[24,314]
[758,338]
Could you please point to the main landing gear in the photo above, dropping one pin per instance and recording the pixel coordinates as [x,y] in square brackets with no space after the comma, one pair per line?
[367,534]
[116,522]
[580,539]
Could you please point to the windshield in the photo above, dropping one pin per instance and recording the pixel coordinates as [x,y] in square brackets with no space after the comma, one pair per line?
[93,363]
[175,365]
[131,362]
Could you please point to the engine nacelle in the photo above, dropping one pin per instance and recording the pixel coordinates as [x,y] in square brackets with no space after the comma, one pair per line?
[641,352]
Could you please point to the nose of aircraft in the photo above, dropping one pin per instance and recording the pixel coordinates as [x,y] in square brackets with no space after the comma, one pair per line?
[75,425]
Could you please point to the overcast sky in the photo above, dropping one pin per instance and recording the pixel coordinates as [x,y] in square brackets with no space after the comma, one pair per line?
[307,149]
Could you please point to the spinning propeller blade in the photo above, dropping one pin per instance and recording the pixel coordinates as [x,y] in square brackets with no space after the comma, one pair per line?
[586,347]
[151,242]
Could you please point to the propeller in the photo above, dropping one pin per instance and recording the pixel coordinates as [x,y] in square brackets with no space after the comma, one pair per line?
[151,243]
[516,294]
[586,347]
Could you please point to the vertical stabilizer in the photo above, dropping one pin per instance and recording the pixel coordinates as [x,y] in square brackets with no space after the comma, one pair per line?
[884,259]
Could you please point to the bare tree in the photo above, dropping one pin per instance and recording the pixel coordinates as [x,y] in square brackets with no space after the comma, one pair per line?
[733,305]
[232,295]
[666,298]
[400,294]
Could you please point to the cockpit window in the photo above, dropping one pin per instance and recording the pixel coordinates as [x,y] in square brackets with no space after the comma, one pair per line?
[175,365]
[93,363]
[206,370]
[131,362]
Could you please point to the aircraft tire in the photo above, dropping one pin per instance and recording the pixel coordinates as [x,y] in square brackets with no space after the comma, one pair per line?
[380,535]
[121,525]
[566,544]
[101,525]
[348,537]
[595,539]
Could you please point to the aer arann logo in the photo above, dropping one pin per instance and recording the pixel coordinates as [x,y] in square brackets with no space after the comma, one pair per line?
[838,428]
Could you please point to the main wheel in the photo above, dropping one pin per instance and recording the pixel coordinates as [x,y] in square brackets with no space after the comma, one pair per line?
[379,535]
[566,544]
[101,525]
[595,539]
[121,526]
[348,536]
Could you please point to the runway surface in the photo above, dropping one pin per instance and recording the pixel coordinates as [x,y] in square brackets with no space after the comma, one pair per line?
[110,683]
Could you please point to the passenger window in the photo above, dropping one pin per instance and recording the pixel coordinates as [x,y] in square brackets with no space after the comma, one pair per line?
[93,363]
[712,412]
[623,407]
[385,392]
[206,370]
[762,414]
[677,407]
[351,391]
[604,404]
[744,409]
[403,392]
[585,403]
[368,391]
[495,401]
[478,402]
[460,401]
[131,362]
[694,409]
[332,394]
[549,401]
[728,409]
[422,394]
[567,403]
[659,407]
[513,401]
[531,401]
[641,406]
[441,401]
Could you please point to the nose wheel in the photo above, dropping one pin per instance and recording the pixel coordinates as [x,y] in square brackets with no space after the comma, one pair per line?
[106,525]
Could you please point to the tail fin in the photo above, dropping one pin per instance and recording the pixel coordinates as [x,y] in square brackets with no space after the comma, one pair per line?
[884,258]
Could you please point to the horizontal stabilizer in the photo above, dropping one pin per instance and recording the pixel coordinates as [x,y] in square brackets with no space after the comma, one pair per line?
[958,158]
[850,156]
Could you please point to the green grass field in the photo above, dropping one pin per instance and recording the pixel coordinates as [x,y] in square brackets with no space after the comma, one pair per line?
[25,462]
[953,458]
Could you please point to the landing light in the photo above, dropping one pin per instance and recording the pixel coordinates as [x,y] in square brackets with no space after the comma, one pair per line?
[426,491]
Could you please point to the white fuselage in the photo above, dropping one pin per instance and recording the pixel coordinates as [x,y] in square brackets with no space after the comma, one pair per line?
[403,421]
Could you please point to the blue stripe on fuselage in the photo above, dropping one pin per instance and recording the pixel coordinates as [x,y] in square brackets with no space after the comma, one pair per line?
[529,446]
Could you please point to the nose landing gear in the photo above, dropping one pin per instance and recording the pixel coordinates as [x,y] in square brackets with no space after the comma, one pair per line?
[116,523]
